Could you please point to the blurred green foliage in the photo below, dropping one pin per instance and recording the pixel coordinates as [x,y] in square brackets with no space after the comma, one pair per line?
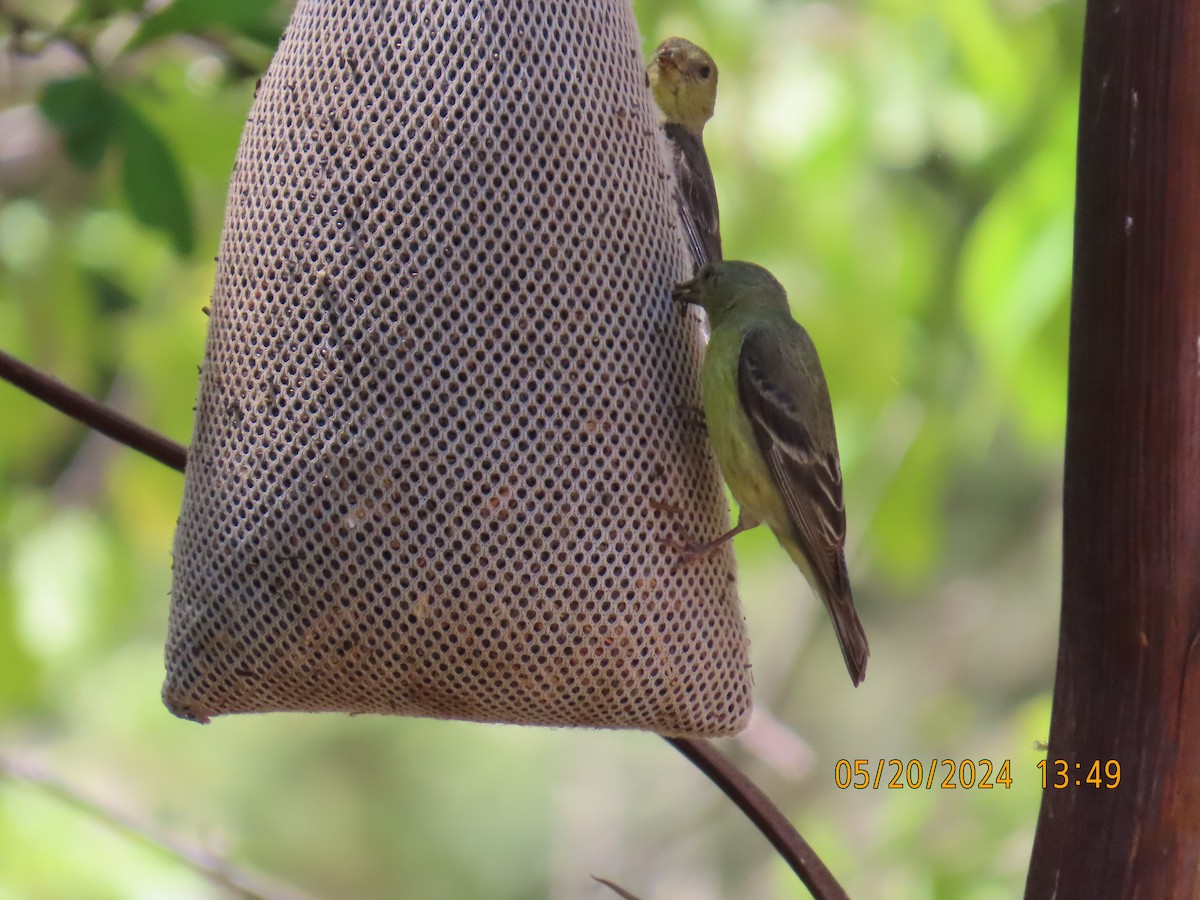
[905,166]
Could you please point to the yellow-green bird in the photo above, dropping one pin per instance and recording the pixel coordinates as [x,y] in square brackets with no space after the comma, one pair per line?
[770,423]
[683,79]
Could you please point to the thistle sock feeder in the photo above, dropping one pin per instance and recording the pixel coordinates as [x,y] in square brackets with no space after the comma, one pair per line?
[443,425]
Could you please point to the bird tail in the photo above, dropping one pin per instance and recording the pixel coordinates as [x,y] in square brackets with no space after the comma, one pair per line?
[849,629]
[839,601]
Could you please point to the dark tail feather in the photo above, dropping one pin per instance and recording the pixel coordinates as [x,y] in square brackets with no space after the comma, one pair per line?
[850,634]
[831,582]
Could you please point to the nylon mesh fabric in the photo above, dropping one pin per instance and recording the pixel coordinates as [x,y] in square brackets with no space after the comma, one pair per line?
[443,423]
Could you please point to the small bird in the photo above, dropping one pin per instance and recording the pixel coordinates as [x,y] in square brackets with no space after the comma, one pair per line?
[683,79]
[770,423]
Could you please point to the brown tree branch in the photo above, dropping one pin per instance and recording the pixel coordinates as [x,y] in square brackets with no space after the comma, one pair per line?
[95,415]
[765,815]
[756,805]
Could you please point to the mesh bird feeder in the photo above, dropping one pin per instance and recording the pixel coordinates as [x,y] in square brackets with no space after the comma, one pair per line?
[443,429]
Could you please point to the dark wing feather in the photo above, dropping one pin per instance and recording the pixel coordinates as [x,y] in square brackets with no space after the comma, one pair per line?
[808,477]
[792,423]
[695,195]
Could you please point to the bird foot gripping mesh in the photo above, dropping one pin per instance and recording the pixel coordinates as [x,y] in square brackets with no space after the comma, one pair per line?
[442,434]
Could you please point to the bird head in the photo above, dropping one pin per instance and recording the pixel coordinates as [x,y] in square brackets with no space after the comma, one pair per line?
[683,79]
[730,287]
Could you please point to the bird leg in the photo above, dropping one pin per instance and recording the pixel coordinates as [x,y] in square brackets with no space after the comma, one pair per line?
[690,553]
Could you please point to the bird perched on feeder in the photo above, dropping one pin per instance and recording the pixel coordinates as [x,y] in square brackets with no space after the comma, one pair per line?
[683,79]
[770,423]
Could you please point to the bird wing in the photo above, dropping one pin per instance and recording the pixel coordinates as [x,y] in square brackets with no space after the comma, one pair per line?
[695,195]
[781,402]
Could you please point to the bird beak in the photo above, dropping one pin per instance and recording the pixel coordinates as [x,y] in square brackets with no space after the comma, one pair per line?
[685,292]
[665,60]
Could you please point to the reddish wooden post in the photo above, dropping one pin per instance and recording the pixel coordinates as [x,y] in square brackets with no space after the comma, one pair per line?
[1128,685]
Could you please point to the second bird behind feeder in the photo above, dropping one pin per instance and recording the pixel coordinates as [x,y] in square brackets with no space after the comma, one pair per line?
[683,79]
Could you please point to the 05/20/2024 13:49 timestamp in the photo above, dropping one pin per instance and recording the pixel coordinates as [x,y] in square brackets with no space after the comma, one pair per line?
[982,774]
[1065,773]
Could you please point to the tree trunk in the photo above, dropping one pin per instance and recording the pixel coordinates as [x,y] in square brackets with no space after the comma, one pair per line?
[1128,685]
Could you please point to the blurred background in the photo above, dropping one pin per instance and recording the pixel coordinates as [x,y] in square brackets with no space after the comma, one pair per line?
[906,167]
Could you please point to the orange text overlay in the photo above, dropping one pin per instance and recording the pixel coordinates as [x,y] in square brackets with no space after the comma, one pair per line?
[922,774]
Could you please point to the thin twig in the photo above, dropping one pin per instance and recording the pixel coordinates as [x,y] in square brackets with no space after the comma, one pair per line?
[615,888]
[212,868]
[91,413]
[19,25]
[716,766]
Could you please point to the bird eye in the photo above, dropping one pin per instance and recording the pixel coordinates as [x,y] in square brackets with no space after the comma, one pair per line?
[709,273]
[705,71]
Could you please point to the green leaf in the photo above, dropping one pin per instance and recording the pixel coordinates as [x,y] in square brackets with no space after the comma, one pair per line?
[252,18]
[82,109]
[153,184]
[109,296]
